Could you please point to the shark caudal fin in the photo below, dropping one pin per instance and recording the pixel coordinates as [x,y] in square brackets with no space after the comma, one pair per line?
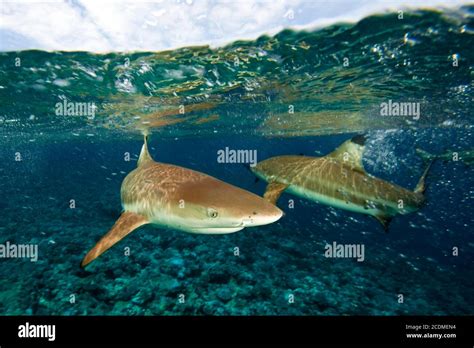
[421,186]
[126,223]
[144,154]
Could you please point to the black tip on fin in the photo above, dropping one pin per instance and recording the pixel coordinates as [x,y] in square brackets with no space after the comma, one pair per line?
[385,221]
[359,139]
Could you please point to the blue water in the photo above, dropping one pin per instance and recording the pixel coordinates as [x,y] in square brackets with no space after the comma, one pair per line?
[72,158]
[287,257]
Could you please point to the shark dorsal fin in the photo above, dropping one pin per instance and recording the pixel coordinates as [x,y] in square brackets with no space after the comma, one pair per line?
[144,154]
[350,152]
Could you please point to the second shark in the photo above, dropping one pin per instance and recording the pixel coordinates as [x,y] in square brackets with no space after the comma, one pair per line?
[340,180]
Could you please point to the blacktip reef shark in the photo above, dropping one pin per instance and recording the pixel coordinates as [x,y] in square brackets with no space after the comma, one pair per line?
[466,156]
[171,196]
[339,180]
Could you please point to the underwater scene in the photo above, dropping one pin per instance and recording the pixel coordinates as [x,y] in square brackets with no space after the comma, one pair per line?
[311,172]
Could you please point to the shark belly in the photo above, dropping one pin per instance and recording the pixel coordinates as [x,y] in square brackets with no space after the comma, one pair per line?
[332,201]
[373,197]
[223,230]
[170,221]
[164,217]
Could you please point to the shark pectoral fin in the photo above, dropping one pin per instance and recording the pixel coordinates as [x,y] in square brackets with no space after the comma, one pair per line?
[274,191]
[350,152]
[384,220]
[126,223]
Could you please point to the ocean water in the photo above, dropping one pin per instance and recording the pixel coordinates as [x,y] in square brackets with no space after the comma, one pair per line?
[299,92]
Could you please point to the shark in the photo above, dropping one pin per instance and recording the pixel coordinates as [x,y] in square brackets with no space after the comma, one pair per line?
[171,196]
[466,156]
[339,179]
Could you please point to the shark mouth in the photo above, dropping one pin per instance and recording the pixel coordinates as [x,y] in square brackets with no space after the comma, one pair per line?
[216,230]
[247,222]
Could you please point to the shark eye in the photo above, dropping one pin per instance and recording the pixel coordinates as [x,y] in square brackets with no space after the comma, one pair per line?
[212,213]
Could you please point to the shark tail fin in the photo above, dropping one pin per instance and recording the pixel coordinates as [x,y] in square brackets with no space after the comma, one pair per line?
[144,154]
[126,223]
[421,186]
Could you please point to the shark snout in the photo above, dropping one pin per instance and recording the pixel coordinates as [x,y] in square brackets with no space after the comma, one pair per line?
[220,205]
[262,217]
